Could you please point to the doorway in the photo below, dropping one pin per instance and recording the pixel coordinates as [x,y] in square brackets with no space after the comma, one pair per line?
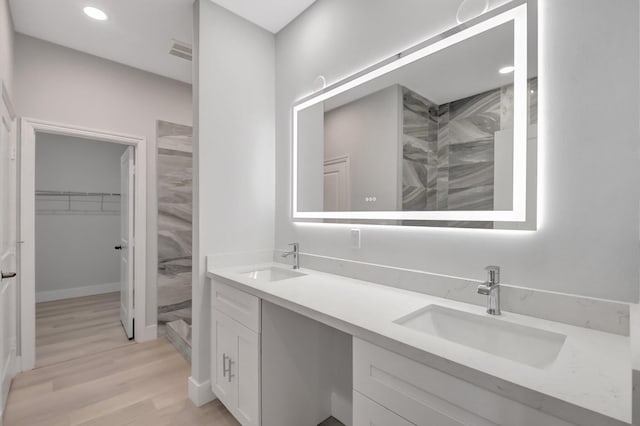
[82,211]
[81,227]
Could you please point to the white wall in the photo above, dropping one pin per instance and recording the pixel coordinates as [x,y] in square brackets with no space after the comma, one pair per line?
[6,46]
[58,84]
[75,251]
[368,131]
[234,145]
[587,241]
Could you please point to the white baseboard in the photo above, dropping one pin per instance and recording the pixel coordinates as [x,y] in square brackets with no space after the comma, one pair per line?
[150,333]
[69,293]
[200,393]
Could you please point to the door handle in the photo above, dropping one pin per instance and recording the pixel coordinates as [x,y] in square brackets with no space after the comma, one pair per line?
[118,247]
[7,275]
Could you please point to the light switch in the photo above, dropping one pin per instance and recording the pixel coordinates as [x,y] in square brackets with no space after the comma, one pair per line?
[355,238]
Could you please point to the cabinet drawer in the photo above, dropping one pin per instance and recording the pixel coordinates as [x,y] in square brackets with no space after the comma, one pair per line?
[242,307]
[368,413]
[426,396]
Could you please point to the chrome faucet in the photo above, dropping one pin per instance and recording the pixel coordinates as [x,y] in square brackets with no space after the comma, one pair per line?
[491,288]
[295,253]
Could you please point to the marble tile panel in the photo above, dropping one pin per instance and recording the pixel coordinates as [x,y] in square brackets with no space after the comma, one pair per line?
[506,107]
[471,198]
[471,175]
[414,198]
[474,118]
[175,208]
[481,151]
[433,200]
[415,174]
[442,189]
[178,332]
[533,101]
[415,149]
[420,127]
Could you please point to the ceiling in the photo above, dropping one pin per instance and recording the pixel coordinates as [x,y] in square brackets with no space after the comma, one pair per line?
[272,15]
[138,32]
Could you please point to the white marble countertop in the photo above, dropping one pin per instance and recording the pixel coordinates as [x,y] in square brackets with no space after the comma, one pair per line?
[592,371]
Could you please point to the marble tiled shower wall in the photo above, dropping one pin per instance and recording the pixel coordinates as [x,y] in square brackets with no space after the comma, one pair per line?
[448,149]
[175,176]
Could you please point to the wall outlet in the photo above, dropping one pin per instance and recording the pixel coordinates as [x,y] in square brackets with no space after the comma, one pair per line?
[355,238]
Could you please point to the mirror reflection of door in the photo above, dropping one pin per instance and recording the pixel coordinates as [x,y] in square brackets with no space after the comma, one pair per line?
[336,185]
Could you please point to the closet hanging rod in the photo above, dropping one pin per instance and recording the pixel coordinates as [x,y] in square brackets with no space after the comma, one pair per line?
[75,194]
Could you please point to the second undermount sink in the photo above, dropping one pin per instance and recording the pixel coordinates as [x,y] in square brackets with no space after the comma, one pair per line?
[273,274]
[527,345]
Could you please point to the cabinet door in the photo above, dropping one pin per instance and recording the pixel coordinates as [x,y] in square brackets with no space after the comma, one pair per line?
[223,353]
[246,374]
[369,413]
[235,368]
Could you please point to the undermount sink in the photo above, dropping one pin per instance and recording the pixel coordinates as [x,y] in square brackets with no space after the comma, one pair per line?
[527,345]
[273,274]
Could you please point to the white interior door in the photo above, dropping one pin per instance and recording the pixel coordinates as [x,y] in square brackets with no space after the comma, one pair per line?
[8,226]
[126,240]
[336,185]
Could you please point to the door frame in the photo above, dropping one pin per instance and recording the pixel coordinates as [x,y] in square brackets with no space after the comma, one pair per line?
[347,165]
[9,122]
[27,164]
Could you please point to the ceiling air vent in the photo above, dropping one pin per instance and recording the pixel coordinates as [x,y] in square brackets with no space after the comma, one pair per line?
[181,50]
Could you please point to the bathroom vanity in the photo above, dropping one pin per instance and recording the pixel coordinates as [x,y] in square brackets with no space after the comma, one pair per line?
[410,358]
[441,134]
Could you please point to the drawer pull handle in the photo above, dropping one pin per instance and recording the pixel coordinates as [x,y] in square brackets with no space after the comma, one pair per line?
[226,369]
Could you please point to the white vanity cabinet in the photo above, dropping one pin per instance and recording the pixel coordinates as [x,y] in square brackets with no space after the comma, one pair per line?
[235,352]
[415,394]
[369,413]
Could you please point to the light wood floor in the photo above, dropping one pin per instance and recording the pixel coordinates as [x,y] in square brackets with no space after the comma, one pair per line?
[68,329]
[89,374]
[139,384]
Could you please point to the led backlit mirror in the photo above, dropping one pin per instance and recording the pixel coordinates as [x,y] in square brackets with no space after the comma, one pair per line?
[442,135]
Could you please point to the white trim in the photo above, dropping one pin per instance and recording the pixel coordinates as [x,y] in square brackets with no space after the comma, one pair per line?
[150,333]
[29,127]
[517,15]
[7,102]
[347,162]
[70,293]
[200,393]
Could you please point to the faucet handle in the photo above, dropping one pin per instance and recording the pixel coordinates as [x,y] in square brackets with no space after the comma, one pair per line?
[493,274]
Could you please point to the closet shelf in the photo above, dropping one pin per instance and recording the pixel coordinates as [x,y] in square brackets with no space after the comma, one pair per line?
[50,202]
[75,194]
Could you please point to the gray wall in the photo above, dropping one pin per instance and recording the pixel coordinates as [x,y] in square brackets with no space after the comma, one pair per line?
[587,237]
[76,250]
[57,84]
[6,46]
[233,150]
[368,131]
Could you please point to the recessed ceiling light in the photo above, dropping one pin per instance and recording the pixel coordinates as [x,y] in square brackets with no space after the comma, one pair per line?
[507,70]
[95,13]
